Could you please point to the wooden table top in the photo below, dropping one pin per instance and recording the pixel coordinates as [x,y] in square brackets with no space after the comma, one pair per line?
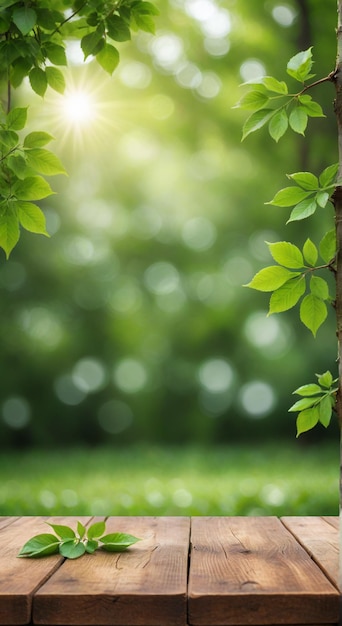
[200,571]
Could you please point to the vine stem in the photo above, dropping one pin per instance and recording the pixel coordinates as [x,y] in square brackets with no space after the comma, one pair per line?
[337,200]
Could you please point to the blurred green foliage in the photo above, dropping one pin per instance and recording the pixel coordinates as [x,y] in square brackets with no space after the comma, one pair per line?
[131,324]
[150,480]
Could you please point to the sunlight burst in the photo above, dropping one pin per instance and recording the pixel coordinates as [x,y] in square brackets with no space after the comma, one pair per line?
[79,108]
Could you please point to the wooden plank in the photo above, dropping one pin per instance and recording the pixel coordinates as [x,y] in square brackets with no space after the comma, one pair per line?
[6,521]
[146,585]
[19,578]
[246,571]
[320,538]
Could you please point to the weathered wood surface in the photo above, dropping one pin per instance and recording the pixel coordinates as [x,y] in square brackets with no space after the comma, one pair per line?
[145,585]
[253,571]
[319,538]
[243,571]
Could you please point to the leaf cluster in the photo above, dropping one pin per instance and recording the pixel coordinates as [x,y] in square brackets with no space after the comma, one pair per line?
[32,36]
[316,403]
[288,280]
[271,102]
[72,545]
[22,167]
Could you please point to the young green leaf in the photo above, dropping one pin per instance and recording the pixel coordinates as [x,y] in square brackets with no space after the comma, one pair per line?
[274,85]
[311,108]
[307,420]
[9,229]
[38,81]
[55,53]
[326,379]
[32,218]
[90,41]
[303,210]
[328,246]
[55,79]
[278,125]
[286,254]
[299,66]
[64,532]
[40,545]
[72,549]
[319,287]
[325,411]
[306,180]
[256,121]
[44,161]
[253,100]
[96,530]
[32,188]
[313,312]
[24,18]
[310,252]
[117,542]
[271,278]
[81,530]
[328,175]
[287,296]
[108,58]
[289,196]
[322,198]
[308,390]
[37,139]
[91,546]
[303,403]
[117,28]
[298,120]
[16,119]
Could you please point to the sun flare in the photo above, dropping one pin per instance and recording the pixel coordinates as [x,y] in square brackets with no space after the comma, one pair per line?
[79,108]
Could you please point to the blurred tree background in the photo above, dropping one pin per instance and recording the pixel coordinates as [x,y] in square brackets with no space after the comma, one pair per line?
[131,323]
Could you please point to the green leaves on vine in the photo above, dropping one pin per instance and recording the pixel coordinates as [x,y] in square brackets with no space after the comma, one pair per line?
[22,167]
[316,403]
[293,276]
[72,545]
[308,194]
[273,104]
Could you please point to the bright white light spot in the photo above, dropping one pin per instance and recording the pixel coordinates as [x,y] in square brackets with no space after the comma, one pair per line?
[182,498]
[189,76]
[199,233]
[216,375]
[161,278]
[284,15]
[252,69]
[67,392]
[78,107]
[217,25]
[210,85]
[257,398]
[167,50]
[273,495]
[89,375]
[217,47]
[135,75]
[201,10]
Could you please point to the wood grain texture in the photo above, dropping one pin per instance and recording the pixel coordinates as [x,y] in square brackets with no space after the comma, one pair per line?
[19,578]
[320,538]
[145,585]
[248,570]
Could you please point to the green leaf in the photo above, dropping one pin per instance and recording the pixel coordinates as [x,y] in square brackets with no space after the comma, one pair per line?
[306,180]
[32,188]
[17,164]
[287,296]
[274,85]
[142,13]
[326,379]
[256,121]
[72,549]
[32,218]
[308,390]
[319,287]
[310,252]
[278,125]
[287,254]
[44,161]
[90,41]
[55,79]
[289,196]
[322,198]
[91,546]
[298,120]
[64,532]
[313,312]
[8,140]
[303,403]
[81,530]
[271,278]
[108,58]
[117,542]
[311,108]
[117,28]
[328,175]
[96,530]
[253,100]
[55,53]
[328,246]
[16,119]
[303,210]
[37,139]
[38,81]
[40,545]
[9,229]
[325,411]
[299,66]
[25,19]
[307,419]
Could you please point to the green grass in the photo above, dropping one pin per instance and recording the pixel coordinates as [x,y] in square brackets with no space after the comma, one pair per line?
[236,480]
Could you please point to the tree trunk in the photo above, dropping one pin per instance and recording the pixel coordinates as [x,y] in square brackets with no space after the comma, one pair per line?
[338,217]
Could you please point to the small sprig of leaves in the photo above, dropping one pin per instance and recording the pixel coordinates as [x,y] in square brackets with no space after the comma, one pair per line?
[308,193]
[273,104]
[288,279]
[316,403]
[72,545]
